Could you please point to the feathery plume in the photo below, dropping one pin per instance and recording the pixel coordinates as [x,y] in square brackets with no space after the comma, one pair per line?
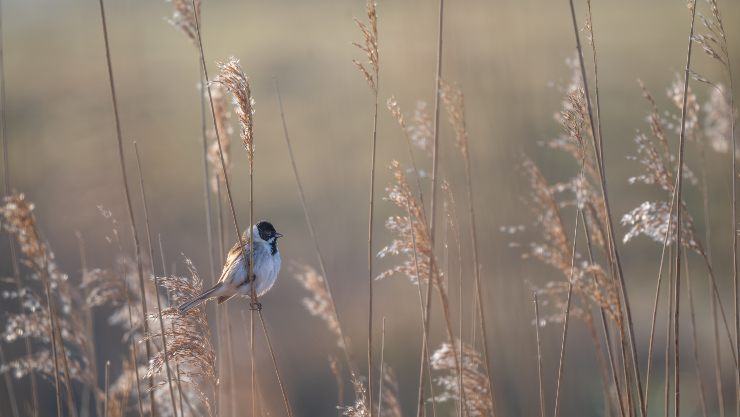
[183,17]
[319,304]
[188,342]
[225,130]
[369,46]
[233,79]
[475,385]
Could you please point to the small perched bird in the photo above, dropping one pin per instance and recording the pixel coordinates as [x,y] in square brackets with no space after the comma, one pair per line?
[234,280]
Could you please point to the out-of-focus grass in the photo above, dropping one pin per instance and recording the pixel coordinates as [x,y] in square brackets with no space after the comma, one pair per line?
[504,54]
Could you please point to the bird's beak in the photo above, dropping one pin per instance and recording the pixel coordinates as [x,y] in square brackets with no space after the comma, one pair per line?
[278,235]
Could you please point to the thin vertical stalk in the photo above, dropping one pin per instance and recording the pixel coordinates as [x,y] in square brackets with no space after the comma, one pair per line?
[134,233]
[107,385]
[668,332]
[9,386]
[604,323]
[7,190]
[253,364]
[425,342]
[233,210]
[288,410]
[172,326]
[656,300]
[433,204]
[311,230]
[90,347]
[694,339]
[382,358]
[613,251]
[206,188]
[476,274]
[566,321]
[230,358]
[679,209]
[539,355]
[156,279]
[371,216]
[712,301]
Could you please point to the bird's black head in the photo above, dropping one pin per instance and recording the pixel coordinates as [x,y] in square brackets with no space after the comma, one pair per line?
[267,231]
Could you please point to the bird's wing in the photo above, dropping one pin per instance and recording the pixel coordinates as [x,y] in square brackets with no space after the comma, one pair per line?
[232,258]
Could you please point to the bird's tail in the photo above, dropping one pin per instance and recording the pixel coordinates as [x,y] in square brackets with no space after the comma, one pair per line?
[215,291]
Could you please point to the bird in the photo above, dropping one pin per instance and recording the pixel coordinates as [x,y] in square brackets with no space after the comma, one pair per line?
[233,280]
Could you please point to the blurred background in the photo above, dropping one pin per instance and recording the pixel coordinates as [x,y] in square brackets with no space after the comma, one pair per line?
[506,55]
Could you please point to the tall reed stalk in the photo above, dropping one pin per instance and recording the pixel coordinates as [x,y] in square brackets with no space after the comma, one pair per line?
[156,279]
[613,252]
[679,209]
[132,221]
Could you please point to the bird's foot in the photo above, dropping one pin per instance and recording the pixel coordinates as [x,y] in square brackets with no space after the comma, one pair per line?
[255,306]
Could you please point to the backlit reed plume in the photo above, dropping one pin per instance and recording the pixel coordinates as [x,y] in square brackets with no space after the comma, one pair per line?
[399,193]
[183,17]
[188,343]
[34,320]
[369,46]
[716,123]
[225,130]
[319,303]
[391,397]
[233,79]
[475,385]
[589,280]
[650,218]
[360,408]
[419,129]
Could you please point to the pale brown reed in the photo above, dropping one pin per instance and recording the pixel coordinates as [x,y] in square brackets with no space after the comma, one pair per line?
[154,278]
[400,194]
[126,192]
[360,408]
[372,76]
[189,341]
[56,320]
[391,404]
[679,213]
[225,130]
[475,393]
[714,44]
[454,101]
[337,373]
[590,280]
[319,303]
[183,17]
[414,241]
[232,78]
[627,329]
